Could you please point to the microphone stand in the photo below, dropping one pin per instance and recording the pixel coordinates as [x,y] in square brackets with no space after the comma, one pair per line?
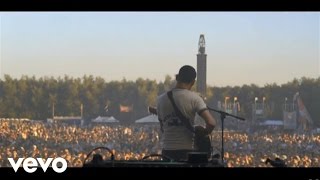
[223,115]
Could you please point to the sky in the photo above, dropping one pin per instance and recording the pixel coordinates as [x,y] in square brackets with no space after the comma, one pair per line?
[241,47]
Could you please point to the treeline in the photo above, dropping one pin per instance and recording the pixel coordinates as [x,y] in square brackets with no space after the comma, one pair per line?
[29,97]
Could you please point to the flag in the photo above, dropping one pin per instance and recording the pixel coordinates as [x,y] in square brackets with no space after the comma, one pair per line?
[106,108]
[303,112]
[124,108]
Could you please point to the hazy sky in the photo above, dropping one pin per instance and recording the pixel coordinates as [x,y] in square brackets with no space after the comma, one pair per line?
[241,47]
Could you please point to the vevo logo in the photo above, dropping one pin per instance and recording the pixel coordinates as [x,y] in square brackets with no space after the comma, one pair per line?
[30,164]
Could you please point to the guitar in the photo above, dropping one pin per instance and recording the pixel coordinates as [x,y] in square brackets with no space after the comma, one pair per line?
[202,142]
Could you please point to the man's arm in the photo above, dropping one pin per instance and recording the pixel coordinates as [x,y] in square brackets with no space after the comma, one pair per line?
[209,119]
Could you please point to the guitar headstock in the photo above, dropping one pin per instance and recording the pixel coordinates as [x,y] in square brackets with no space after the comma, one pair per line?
[152,110]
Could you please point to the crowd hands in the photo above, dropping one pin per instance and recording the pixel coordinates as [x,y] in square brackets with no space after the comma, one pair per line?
[22,139]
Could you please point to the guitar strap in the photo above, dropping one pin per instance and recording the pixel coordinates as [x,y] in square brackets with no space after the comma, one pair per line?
[179,114]
[203,143]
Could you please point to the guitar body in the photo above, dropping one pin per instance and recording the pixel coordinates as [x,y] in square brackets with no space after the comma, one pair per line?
[201,140]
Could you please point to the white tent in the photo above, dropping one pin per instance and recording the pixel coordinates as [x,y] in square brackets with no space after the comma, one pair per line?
[148,119]
[100,119]
[272,123]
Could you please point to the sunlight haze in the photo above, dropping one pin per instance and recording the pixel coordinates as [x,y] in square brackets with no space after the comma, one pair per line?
[241,47]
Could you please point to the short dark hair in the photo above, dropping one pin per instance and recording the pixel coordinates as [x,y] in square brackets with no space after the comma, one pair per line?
[186,74]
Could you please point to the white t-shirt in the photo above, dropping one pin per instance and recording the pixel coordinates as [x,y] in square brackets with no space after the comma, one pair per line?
[176,135]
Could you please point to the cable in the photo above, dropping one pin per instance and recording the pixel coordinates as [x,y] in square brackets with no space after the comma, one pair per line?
[106,148]
[211,145]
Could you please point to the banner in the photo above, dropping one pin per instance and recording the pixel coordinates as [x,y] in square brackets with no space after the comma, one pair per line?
[289,120]
[303,114]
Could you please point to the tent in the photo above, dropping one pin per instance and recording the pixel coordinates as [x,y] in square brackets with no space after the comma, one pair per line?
[100,119]
[148,119]
[272,123]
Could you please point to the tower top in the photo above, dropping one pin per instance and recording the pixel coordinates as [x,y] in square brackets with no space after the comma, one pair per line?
[202,45]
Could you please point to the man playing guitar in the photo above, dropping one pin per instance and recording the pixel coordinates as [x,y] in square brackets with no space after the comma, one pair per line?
[176,110]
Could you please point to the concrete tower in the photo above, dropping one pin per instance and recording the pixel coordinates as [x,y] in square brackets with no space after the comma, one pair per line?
[202,67]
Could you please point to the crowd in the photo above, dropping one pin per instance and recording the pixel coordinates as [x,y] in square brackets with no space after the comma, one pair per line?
[22,139]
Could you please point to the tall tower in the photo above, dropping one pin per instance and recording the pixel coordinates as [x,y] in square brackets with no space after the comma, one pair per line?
[202,67]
